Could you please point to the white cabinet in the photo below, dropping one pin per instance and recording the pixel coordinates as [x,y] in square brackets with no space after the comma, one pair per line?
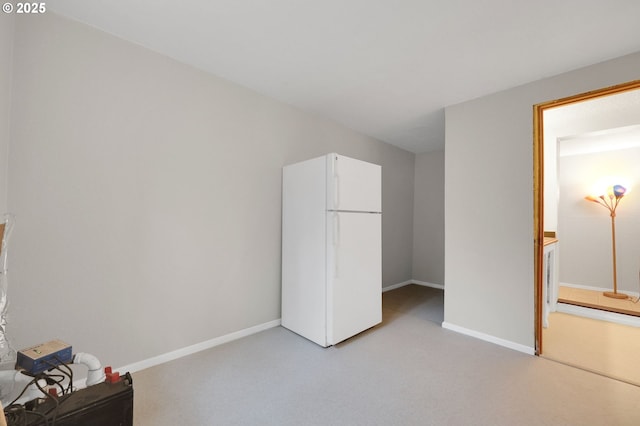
[549,279]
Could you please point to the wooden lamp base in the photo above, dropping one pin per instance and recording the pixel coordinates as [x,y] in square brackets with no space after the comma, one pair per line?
[615,295]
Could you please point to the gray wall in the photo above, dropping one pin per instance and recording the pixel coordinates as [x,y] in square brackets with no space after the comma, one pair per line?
[584,228]
[6,47]
[428,218]
[147,196]
[489,201]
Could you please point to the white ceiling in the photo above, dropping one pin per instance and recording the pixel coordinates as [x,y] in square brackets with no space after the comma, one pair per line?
[598,124]
[602,141]
[386,68]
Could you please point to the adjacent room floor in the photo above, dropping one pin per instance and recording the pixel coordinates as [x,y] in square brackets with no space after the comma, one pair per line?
[406,371]
[579,337]
[599,346]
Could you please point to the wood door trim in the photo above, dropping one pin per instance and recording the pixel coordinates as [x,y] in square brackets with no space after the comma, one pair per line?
[538,187]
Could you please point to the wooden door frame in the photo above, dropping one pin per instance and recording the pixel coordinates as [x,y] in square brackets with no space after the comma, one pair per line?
[538,187]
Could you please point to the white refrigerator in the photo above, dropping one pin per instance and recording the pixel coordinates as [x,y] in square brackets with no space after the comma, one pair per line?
[331,248]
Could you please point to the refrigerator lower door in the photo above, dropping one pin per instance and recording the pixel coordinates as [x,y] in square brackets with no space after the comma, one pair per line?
[354,275]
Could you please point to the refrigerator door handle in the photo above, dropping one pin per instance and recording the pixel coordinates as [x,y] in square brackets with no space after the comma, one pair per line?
[336,192]
[336,243]
[336,183]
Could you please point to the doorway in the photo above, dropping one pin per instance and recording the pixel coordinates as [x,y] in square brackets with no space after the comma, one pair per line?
[545,170]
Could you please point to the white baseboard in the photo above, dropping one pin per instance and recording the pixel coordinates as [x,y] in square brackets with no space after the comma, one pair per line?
[600,289]
[426,284]
[179,353]
[488,338]
[394,286]
[404,283]
[189,350]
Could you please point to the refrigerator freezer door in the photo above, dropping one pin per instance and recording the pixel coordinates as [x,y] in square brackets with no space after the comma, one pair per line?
[354,290]
[354,185]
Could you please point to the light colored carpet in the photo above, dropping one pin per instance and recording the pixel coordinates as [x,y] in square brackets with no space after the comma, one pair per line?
[407,371]
[599,346]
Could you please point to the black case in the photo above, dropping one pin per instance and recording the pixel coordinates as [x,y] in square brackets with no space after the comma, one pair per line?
[103,404]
